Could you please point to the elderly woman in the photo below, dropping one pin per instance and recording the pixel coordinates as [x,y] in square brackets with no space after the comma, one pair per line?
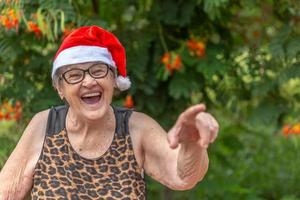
[88,149]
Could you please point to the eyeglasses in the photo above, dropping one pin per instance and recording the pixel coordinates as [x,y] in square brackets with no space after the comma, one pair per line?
[76,75]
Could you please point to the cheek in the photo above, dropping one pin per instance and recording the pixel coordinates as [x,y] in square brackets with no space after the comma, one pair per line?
[108,83]
[70,93]
[109,90]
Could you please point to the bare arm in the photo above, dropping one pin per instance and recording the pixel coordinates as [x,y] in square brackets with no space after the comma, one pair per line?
[178,168]
[16,177]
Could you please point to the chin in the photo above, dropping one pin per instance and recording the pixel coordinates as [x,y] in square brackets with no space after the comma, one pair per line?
[95,113]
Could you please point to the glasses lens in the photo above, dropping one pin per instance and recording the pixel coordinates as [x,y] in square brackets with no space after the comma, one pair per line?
[98,71]
[73,75]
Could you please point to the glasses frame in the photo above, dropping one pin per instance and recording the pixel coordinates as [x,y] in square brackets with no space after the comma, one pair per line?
[84,72]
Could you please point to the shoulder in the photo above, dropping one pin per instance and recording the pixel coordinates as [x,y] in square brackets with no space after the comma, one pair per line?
[40,117]
[33,136]
[32,139]
[38,123]
[142,122]
[143,125]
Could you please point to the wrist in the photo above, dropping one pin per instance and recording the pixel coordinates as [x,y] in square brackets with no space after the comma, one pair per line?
[192,161]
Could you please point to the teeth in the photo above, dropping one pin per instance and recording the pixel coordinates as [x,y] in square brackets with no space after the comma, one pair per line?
[92,94]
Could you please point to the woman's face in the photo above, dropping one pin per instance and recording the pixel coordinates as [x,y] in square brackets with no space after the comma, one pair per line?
[91,97]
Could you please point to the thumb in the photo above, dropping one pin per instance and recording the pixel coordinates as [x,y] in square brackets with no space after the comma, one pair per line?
[173,137]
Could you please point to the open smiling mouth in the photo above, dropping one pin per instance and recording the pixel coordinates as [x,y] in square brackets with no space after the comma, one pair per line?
[91,98]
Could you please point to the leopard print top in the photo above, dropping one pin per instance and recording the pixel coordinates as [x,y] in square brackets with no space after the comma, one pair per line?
[61,173]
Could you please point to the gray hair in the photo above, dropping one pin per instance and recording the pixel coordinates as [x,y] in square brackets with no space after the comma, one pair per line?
[57,77]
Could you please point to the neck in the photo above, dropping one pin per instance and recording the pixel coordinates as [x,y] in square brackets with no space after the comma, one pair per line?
[76,124]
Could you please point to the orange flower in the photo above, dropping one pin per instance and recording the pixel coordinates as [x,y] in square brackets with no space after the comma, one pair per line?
[11,13]
[17,116]
[9,19]
[5,22]
[1,116]
[7,116]
[286,130]
[172,61]
[177,64]
[296,129]
[165,59]
[33,27]
[128,103]
[291,129]
[196,48]
[9,112]
[8,107]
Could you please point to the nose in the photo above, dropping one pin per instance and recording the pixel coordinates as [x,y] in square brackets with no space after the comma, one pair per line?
[88,80]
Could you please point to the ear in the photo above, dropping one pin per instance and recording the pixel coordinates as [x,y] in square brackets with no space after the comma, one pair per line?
[115,84]
[59,89]
[113,77]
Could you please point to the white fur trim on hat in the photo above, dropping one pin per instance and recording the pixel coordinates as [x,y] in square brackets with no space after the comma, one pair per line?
[82,54]
[123,83]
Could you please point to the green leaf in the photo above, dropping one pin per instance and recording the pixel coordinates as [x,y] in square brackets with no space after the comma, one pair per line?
[265,114]
[41,20]
[293,47]
[182,86]
[55,27]
[289,73]
[277,43]
[62,20]
[212,7]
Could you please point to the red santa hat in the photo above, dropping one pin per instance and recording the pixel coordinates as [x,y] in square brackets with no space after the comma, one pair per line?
[90,44]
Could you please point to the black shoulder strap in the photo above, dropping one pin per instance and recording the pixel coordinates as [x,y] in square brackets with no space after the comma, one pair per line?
[56,119]
[122,118]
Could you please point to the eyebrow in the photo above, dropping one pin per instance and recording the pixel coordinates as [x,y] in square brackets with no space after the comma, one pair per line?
[79,65]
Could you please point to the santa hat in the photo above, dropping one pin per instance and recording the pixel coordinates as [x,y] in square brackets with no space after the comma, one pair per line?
[90,44]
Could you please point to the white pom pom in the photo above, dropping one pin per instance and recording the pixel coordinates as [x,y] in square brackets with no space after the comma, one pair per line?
[123,83]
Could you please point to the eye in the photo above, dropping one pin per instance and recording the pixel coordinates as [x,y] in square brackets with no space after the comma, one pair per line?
[98,70]
[73,74]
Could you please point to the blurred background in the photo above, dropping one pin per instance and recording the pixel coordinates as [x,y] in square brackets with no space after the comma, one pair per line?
[239,57]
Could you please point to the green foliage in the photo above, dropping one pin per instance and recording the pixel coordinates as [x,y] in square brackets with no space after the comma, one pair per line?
[8,139]
[248,77]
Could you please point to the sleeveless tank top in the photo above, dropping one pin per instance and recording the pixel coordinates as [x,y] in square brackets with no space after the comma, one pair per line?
[61,173]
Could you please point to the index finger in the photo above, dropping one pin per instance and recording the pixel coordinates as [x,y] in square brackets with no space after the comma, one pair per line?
[192,111]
